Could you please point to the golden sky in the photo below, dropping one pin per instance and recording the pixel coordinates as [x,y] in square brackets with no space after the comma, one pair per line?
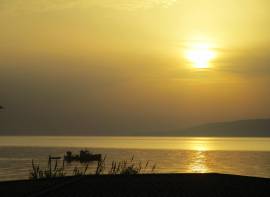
[130,65]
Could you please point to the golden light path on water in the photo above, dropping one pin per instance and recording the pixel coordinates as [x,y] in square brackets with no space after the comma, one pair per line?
[198,163]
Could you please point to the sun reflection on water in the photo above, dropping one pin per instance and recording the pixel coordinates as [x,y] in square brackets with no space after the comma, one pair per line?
[198,163]
[200,146]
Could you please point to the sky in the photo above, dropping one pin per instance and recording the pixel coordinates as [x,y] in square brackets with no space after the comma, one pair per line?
[138,66]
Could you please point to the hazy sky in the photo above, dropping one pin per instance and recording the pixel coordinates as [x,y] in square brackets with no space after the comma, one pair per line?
[121,66]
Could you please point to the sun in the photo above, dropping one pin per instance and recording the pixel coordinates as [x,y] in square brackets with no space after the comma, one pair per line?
[200,55]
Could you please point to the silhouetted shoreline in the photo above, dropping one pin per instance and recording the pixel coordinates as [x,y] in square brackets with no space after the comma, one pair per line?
[145,185]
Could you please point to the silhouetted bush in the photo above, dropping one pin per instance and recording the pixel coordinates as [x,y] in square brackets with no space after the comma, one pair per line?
[124,167]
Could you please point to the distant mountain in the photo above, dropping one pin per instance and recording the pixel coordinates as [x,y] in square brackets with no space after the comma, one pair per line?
[240,128]
[243,128]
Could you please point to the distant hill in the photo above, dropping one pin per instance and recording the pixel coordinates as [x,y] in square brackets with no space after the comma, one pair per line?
[254,128]
[240,128]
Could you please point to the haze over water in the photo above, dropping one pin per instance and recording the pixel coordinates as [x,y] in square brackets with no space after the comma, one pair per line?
[77,68]
[244,156]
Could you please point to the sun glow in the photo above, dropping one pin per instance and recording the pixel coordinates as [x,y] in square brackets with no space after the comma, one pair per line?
[200,55]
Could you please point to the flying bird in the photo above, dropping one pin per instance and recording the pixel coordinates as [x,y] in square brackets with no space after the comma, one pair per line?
[1,107]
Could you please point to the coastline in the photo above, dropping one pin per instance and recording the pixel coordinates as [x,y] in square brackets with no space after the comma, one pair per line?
[147,185]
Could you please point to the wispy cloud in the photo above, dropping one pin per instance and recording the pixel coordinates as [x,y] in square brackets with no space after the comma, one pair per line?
[46,5]
[134,4]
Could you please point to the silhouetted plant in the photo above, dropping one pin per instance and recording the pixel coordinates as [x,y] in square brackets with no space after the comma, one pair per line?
[49,172]
[129,167]
[78,172]
[100,166]
[153,168]
[123,167]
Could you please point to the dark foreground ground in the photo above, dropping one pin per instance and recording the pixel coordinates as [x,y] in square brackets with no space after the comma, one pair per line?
[156,185]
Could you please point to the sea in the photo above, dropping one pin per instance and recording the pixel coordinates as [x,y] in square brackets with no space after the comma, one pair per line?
[240,156]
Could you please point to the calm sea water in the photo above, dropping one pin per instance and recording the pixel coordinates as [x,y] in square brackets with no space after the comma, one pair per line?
[243,156]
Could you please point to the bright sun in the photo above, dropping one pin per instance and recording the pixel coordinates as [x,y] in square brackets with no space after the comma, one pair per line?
[200,55]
